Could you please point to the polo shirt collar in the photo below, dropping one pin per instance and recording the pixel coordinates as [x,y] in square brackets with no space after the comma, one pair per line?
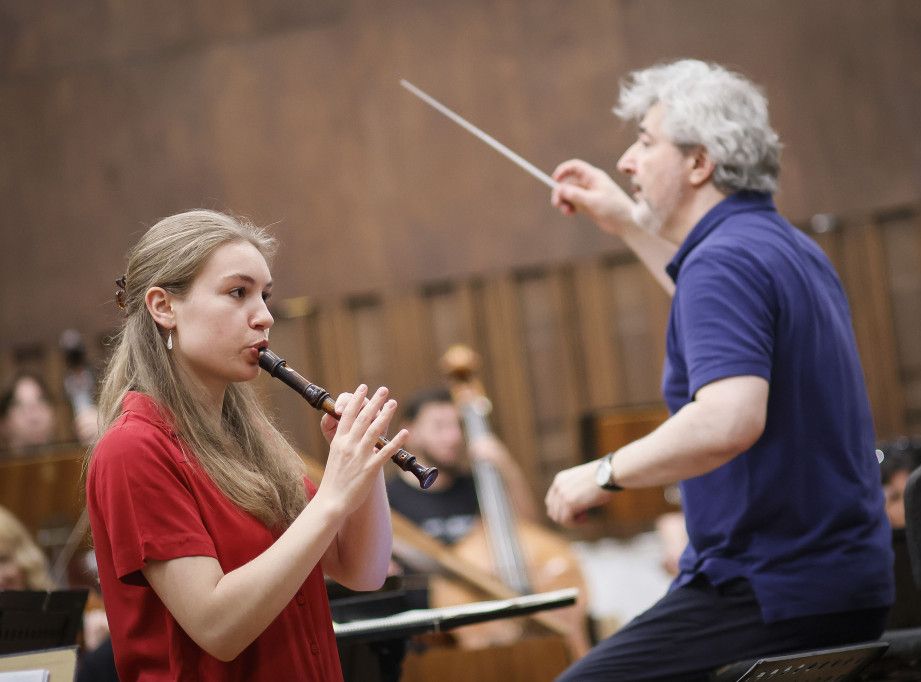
[739,202]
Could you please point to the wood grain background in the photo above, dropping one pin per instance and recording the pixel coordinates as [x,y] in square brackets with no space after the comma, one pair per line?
[402,233]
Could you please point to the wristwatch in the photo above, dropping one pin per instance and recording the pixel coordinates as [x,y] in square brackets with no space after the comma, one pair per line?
[603,473]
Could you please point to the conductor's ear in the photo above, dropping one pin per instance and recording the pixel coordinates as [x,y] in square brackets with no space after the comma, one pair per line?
[702,166]
[159,303]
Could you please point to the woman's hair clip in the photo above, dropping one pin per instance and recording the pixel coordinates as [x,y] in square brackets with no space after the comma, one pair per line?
[120,294]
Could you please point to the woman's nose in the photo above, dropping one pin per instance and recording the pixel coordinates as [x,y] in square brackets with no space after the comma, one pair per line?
[263,318]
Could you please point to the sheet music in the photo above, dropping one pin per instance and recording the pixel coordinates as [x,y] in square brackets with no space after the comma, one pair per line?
[26,676]
[44,665]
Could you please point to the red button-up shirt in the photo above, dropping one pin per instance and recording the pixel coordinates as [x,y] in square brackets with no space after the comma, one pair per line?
[148,500]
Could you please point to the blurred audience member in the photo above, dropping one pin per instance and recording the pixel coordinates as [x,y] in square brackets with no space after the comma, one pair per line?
[26,414]
[23,566]
[28,421]
[897,460]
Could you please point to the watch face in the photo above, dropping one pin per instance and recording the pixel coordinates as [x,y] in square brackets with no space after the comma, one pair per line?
[603,472]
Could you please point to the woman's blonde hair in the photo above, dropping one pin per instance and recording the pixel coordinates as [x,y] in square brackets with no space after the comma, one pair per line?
[24,552]
[246,456]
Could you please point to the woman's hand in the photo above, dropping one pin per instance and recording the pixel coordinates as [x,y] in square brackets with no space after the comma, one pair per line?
[354,458]
[352,489]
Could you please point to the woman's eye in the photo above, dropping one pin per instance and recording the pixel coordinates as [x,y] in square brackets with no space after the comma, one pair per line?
[238,293]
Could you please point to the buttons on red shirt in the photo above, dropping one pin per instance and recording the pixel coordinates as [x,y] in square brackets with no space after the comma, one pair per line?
[300,598]
[314,648]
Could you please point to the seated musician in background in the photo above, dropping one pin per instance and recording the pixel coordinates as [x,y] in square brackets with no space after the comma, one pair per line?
[770,436]
[899,459]
[449,509]
[211,542]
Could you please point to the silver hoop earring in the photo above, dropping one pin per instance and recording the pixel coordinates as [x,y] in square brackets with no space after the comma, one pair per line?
[169,340]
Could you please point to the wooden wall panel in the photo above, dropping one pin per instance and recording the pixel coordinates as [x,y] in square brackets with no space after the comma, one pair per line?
[116,114]
[372,345]
[555,397]
[453,318]
[45,492]
[506,374]
[877,256]
[412,344]
[601,374]
[902,243]
[634,327]
[865,281]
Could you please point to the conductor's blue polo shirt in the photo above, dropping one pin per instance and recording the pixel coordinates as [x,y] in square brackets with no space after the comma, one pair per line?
[800,514]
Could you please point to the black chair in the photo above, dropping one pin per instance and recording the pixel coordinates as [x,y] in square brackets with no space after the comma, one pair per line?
[901,662]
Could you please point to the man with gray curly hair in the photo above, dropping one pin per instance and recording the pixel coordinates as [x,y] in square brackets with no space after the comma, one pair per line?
[770,437]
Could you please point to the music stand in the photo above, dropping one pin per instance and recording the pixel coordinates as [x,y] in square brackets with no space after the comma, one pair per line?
[33,620]
[447,618]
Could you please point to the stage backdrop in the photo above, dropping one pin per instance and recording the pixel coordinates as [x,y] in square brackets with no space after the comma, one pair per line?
[401,233]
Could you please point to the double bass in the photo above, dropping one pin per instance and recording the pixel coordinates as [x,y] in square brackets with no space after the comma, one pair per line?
[523,555]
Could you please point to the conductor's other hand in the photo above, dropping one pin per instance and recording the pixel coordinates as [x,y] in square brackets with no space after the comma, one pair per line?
[573,492]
